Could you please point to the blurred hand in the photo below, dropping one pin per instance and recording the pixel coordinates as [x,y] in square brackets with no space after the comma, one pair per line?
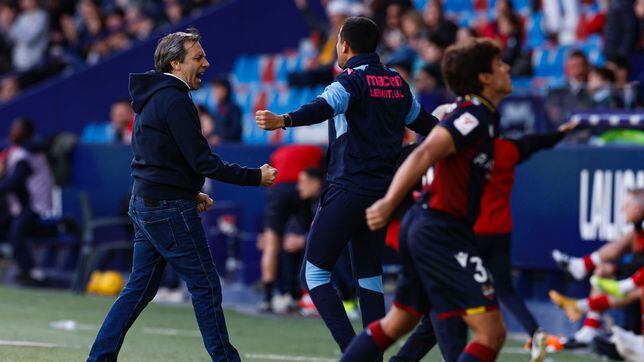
[568,126]
[269,174]
[378,214]
[261,241]
[301,4]
[204,202]
[294,243]
[268,120]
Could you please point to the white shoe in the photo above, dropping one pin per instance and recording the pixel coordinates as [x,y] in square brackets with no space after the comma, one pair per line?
[628,345]
[538,347]
[282,303]
[586,334]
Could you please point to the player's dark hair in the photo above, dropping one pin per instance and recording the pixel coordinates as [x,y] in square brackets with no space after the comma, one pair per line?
[314,173]
[605,73]
[463,62]
[362,34]
[28,128]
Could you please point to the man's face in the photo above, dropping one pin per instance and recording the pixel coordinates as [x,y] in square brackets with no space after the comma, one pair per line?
[308,187]
[576,69]
[121,115]
[193,65]
[341,49]
[16,132]
[501,80]
[633,210]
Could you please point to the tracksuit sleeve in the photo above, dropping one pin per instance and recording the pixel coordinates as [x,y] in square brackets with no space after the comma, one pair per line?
[418,120]
[335,100]
[527,145]
[183,122]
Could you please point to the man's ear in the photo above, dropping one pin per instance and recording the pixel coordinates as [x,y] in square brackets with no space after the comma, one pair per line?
[176,65]
[485,78]
[345,47]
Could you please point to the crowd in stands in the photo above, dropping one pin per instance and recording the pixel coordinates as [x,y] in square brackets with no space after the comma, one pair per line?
[415,35]
[42,38]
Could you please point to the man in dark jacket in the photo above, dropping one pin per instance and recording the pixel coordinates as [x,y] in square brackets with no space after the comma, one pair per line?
[171,159]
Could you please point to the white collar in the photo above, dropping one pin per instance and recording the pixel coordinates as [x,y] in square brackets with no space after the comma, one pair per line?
[181,79]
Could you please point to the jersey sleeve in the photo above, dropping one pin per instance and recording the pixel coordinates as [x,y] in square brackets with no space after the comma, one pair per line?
[465,128]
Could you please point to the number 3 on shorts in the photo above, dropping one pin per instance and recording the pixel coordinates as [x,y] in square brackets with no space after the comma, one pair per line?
[481,274]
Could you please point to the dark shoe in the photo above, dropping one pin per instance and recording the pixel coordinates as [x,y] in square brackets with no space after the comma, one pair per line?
[604,347]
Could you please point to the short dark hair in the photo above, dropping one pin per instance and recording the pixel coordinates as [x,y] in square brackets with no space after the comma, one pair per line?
[28,127]
[620,62]
[605,73]
[222,81]
[362,34]
[314,173]
[463,62]
[577,53]
[170,48]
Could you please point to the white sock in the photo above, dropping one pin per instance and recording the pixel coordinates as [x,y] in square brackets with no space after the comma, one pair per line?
[582,304]
[585,334]
[577,268]
[595,258]
[626,285]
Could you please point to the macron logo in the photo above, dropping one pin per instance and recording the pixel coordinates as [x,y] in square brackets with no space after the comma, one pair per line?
[461,258]
[466,123]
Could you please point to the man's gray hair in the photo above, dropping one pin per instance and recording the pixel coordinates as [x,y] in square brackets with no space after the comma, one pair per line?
[170,48]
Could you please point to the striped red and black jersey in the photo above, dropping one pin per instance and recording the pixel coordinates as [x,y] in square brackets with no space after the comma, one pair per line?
[459,180]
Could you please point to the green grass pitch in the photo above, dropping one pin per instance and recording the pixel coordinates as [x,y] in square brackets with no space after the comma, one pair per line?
[167,333]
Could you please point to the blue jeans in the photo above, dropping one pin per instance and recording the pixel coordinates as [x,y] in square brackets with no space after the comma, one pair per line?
[167,231]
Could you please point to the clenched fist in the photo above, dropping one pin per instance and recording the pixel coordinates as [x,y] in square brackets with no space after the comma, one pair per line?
[268,175]
[268,120]
[378,214]
[204,202]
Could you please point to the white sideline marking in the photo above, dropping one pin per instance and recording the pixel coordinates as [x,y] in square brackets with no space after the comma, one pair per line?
[34,344]
[170,332]
[279,357]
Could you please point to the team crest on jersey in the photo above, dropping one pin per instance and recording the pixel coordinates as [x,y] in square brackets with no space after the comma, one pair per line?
[466,123]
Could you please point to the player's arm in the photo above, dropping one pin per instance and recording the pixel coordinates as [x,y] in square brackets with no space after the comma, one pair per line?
[335,100]
[17,178]
[438,145]
[418,120]
[528,145]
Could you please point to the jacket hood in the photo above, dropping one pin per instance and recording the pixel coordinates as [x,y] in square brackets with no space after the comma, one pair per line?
[144,85]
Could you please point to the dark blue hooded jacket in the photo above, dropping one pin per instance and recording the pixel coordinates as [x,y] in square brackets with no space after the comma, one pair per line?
[171,156]
[368,107]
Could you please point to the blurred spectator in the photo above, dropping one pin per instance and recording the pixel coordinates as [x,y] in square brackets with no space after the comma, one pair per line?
[207,125]
[625,92]
[28,184]
[561,18]
[412,27]
[600,87]
[511,34]
[9,88]
[173,12]
[118,130]
[438,27]
[429,87]
[464,34]
[228,115]
[431,49]
[560,101]
[30,36]
[326,37]
[620,31]
[639,13]
[282,203]
[139,25]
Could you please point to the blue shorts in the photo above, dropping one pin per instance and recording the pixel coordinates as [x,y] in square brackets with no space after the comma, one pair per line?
[442,270]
